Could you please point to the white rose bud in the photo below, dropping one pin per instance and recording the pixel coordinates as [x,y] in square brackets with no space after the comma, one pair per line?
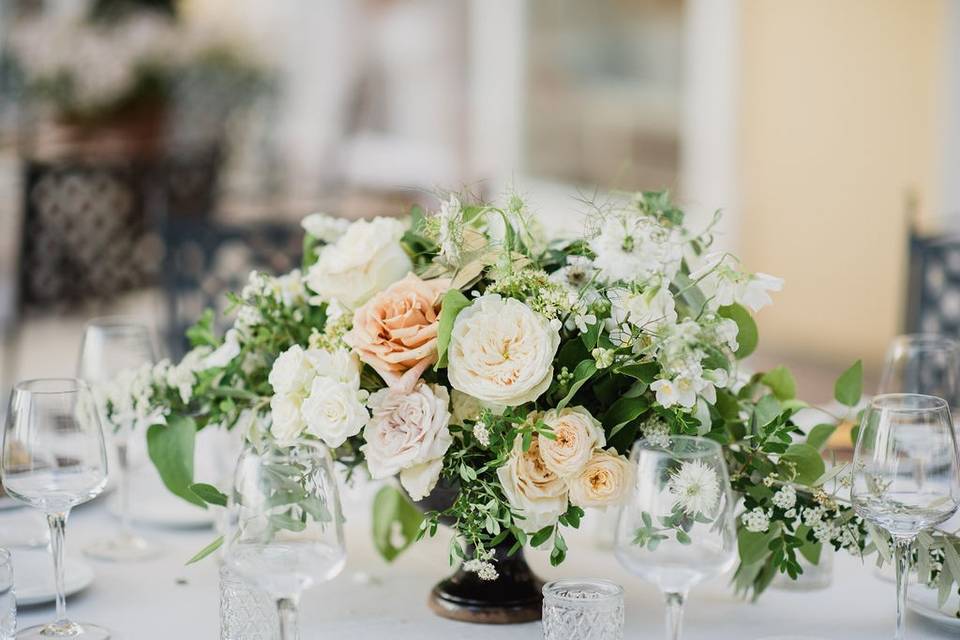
[576,434]
[501,352]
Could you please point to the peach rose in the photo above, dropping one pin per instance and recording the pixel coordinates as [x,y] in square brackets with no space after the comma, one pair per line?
[395,332]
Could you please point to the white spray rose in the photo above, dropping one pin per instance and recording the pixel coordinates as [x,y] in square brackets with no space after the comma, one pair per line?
[333,411]
[501,351]
[292,371]
[576,434]
[533,491]
[365,260]
[406,430]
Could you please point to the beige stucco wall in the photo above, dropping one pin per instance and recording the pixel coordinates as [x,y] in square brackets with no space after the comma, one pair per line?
[839,120]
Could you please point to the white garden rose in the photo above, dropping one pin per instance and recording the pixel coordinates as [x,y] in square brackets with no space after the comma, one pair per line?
[292,371]
[406,429]
[419,480]
[365,260]
[603,482]
[333,411]
[576,434]
[501,351]
[286,423]
[533,491]
[340,364]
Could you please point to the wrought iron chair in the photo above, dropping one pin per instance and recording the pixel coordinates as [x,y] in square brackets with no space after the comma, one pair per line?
[933,288]
[206,259]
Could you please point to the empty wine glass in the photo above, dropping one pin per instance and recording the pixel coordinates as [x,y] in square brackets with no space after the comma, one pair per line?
[114,350]
[924,363]
[677,526]
[285,530]
[54,459]
[906,473]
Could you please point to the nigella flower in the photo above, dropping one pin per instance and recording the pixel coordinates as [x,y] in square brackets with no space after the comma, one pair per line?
[450,235]
[695,487]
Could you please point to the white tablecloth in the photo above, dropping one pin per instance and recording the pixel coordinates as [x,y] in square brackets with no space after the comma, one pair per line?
[162,599]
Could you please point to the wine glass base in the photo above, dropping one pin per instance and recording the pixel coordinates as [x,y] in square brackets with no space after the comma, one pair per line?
[72,630]
[124,548]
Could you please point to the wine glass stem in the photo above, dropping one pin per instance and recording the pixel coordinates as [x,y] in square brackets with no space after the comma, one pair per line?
[902,546]
[126,530]
[675,600]
[58,524]
[289,624]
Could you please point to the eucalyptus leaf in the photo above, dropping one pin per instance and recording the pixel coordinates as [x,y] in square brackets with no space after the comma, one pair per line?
[390,506]
[781,382]
[207,550]
[170,447]
[809,465]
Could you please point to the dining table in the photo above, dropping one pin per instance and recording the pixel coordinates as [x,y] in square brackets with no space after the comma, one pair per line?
[165,598]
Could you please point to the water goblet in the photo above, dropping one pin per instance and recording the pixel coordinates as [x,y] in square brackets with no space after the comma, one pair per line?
[924,363]
[114,351]
[676,527]
[285,531]
[54,459]
[906,474]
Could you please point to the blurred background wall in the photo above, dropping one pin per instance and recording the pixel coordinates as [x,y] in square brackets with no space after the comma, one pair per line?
[823,128]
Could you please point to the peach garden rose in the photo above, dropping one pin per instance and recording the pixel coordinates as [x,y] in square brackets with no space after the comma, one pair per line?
[576,434]
[603,482]
[395,332]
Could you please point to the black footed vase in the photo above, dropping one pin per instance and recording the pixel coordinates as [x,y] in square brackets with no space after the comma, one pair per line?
[515,596]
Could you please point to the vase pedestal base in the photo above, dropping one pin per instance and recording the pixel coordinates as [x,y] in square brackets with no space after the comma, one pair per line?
[515,596]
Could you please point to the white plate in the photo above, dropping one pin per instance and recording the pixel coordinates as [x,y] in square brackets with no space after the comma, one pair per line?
[33,576]
[923,601]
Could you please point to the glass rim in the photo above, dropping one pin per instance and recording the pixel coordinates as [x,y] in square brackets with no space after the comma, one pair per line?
[704,446]
[885,402]
[118,321]
[924,338]
[36,386]
[607,589]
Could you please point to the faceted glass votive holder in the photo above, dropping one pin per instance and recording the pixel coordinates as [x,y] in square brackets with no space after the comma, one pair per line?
[583,608]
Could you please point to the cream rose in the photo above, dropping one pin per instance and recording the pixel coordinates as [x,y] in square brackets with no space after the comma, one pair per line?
[365,260]
[576,434]
[333,411]
[406,429]
[501,351]
[533,491]
[395,332]
[603,482]
[286,423]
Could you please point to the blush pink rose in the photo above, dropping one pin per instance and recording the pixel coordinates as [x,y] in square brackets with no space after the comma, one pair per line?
[395,332]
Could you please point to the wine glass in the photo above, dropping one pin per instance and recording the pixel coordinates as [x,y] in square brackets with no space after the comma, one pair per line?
[54,459]
[113,350]
[924,363]
[285,530]
[906,473]
[677,526]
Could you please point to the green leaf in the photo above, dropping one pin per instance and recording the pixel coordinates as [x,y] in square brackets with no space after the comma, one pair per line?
[592,336]
[808,463]
[171,449]
[581,374]
[809,550]
[849,386]
[209,493]
[541,536]
[767,410]
[781,382]
[753,547]
[819,435]
[642,371]
[201,333]
[623,411]
[747,335]
[453,303]
[207,550]
[389,506]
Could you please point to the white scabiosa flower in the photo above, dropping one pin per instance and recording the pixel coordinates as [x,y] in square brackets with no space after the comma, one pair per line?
[634,248]
[695,487]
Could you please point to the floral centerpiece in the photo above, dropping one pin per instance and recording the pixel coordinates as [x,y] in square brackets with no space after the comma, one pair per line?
[465,355]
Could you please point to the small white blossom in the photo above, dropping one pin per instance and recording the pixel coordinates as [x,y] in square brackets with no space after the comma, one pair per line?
[325,227]
[487,572]
[756,520]
[790,514]
[603,357]
[482,434]
[450,233]
[785,498]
